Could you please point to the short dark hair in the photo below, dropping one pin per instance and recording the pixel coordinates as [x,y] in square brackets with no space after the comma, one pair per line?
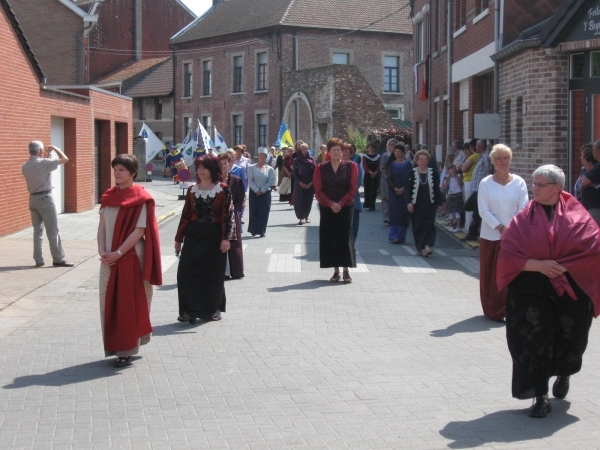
[335,141]
[130,162]
[213,164]
[473,142]
[587,150]
[400,146]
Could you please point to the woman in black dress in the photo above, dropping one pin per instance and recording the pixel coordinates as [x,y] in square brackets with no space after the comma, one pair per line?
[370,164]
[303,170]
[423,195]
[335,184]
[206,228]
[235,255]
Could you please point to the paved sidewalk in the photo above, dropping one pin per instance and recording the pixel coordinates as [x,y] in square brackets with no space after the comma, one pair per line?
[401,358]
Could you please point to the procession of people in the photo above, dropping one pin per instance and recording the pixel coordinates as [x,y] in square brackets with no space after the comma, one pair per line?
[538,257]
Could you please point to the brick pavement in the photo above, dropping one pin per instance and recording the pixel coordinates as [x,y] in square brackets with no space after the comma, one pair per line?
[398,359]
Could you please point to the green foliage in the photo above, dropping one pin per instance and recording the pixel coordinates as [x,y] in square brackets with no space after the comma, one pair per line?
[358,139]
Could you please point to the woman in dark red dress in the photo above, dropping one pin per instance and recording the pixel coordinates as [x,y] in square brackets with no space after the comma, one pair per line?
[335,184]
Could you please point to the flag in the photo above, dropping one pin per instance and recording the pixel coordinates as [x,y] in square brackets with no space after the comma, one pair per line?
[220,142]
[188,146]
[285,138]
[153,144]
[206,142]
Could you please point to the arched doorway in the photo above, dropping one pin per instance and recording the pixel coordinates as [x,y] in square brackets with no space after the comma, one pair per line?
[298,116]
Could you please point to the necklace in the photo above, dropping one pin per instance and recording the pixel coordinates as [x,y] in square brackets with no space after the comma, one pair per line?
[421,177]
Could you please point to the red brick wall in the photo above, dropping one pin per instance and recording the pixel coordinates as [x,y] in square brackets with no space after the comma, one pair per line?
[540,77]
[51,29]
[115,29]
[35,107]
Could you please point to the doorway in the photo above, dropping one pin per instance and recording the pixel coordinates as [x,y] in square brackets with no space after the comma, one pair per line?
[57,138]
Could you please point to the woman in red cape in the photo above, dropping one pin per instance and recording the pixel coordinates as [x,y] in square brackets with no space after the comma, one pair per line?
[129,248]
[550,261]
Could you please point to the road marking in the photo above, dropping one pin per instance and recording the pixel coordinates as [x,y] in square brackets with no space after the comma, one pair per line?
[409,250]
[471,264]
[297,249]
[413,265]
[244,247]
[167,262]
[441,253]
[361,267]
[284,263]
[268,251]
[383,252]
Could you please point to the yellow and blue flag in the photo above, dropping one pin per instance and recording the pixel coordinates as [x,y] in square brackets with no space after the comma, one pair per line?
[285,138]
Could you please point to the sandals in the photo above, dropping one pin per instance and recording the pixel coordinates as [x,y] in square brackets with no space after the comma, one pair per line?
[186,318]
[428,251]
[123,361]
[307,220]
[347,278]
[335,278]
[300,222]
[216,316]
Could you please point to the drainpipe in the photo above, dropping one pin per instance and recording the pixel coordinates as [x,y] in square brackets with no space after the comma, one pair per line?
[497,46]
[138,30]
[80,34]
[449,27]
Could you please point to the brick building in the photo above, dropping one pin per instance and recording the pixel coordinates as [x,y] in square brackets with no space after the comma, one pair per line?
[79,42]
[549,96]
[90,124]
[321,66]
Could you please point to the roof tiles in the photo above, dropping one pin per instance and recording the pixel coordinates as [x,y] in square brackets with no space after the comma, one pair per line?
[158,83]
[234,16]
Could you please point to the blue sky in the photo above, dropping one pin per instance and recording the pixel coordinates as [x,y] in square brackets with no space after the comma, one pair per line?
[198,6]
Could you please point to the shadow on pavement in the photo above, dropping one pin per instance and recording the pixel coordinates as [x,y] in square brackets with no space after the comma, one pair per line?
[509,426]
[167,287]
[307,285]
[14,268]
[475,324]
[69,375]
[176,328]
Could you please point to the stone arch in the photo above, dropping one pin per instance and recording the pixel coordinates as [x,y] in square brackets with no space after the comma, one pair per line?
[298,115]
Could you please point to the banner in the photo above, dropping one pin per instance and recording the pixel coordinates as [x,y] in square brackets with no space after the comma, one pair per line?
[285,138]
[207,142]
[188,146]
[220,142]
[153,144]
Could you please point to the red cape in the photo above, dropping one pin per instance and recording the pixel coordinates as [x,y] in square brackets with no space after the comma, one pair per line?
[572,240]
[127,317]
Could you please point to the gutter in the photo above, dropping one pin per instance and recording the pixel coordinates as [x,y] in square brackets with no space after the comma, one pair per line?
[516,48]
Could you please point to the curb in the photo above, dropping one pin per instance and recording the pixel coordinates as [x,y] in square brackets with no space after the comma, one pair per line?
[165,217]
[441,224]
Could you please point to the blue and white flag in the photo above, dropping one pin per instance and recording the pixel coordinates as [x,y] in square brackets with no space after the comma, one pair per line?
[187,148]
[153,143]
[207,142]
[220,142]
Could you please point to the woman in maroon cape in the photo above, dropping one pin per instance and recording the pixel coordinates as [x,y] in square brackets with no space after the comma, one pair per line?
[550,261]
[129,249]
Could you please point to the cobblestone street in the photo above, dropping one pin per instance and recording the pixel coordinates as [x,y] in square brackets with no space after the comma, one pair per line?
[400,358]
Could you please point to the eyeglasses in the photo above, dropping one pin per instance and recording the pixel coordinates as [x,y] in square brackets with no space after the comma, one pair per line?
[541,185]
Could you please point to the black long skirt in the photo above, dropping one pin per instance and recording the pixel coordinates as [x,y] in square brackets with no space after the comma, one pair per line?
[303,200]
[423,225]
[336,244]
[260,207]
[547,334]
[201,271]
[371,186]
[236,251]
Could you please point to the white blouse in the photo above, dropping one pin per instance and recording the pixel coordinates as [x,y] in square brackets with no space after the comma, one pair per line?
[498,204]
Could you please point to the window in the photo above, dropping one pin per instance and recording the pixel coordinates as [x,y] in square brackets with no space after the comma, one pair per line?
[187,125]
[340,58]
[595,66]
[237,126]
[507,121]
[238,67]
[141,109]
[158,108]
[577,65]
[395,111]
[207,123]
[261,71]
[391,74]
[481,5]
[187,79]
[460,14]
[420,51]
[207,77]
[261,130]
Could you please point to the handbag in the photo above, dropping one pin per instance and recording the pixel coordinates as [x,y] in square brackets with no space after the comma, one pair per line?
[285,187]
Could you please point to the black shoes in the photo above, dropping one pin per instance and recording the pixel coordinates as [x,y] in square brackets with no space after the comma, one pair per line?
[63,264]
[123,361]
[541,408]
[561,387]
